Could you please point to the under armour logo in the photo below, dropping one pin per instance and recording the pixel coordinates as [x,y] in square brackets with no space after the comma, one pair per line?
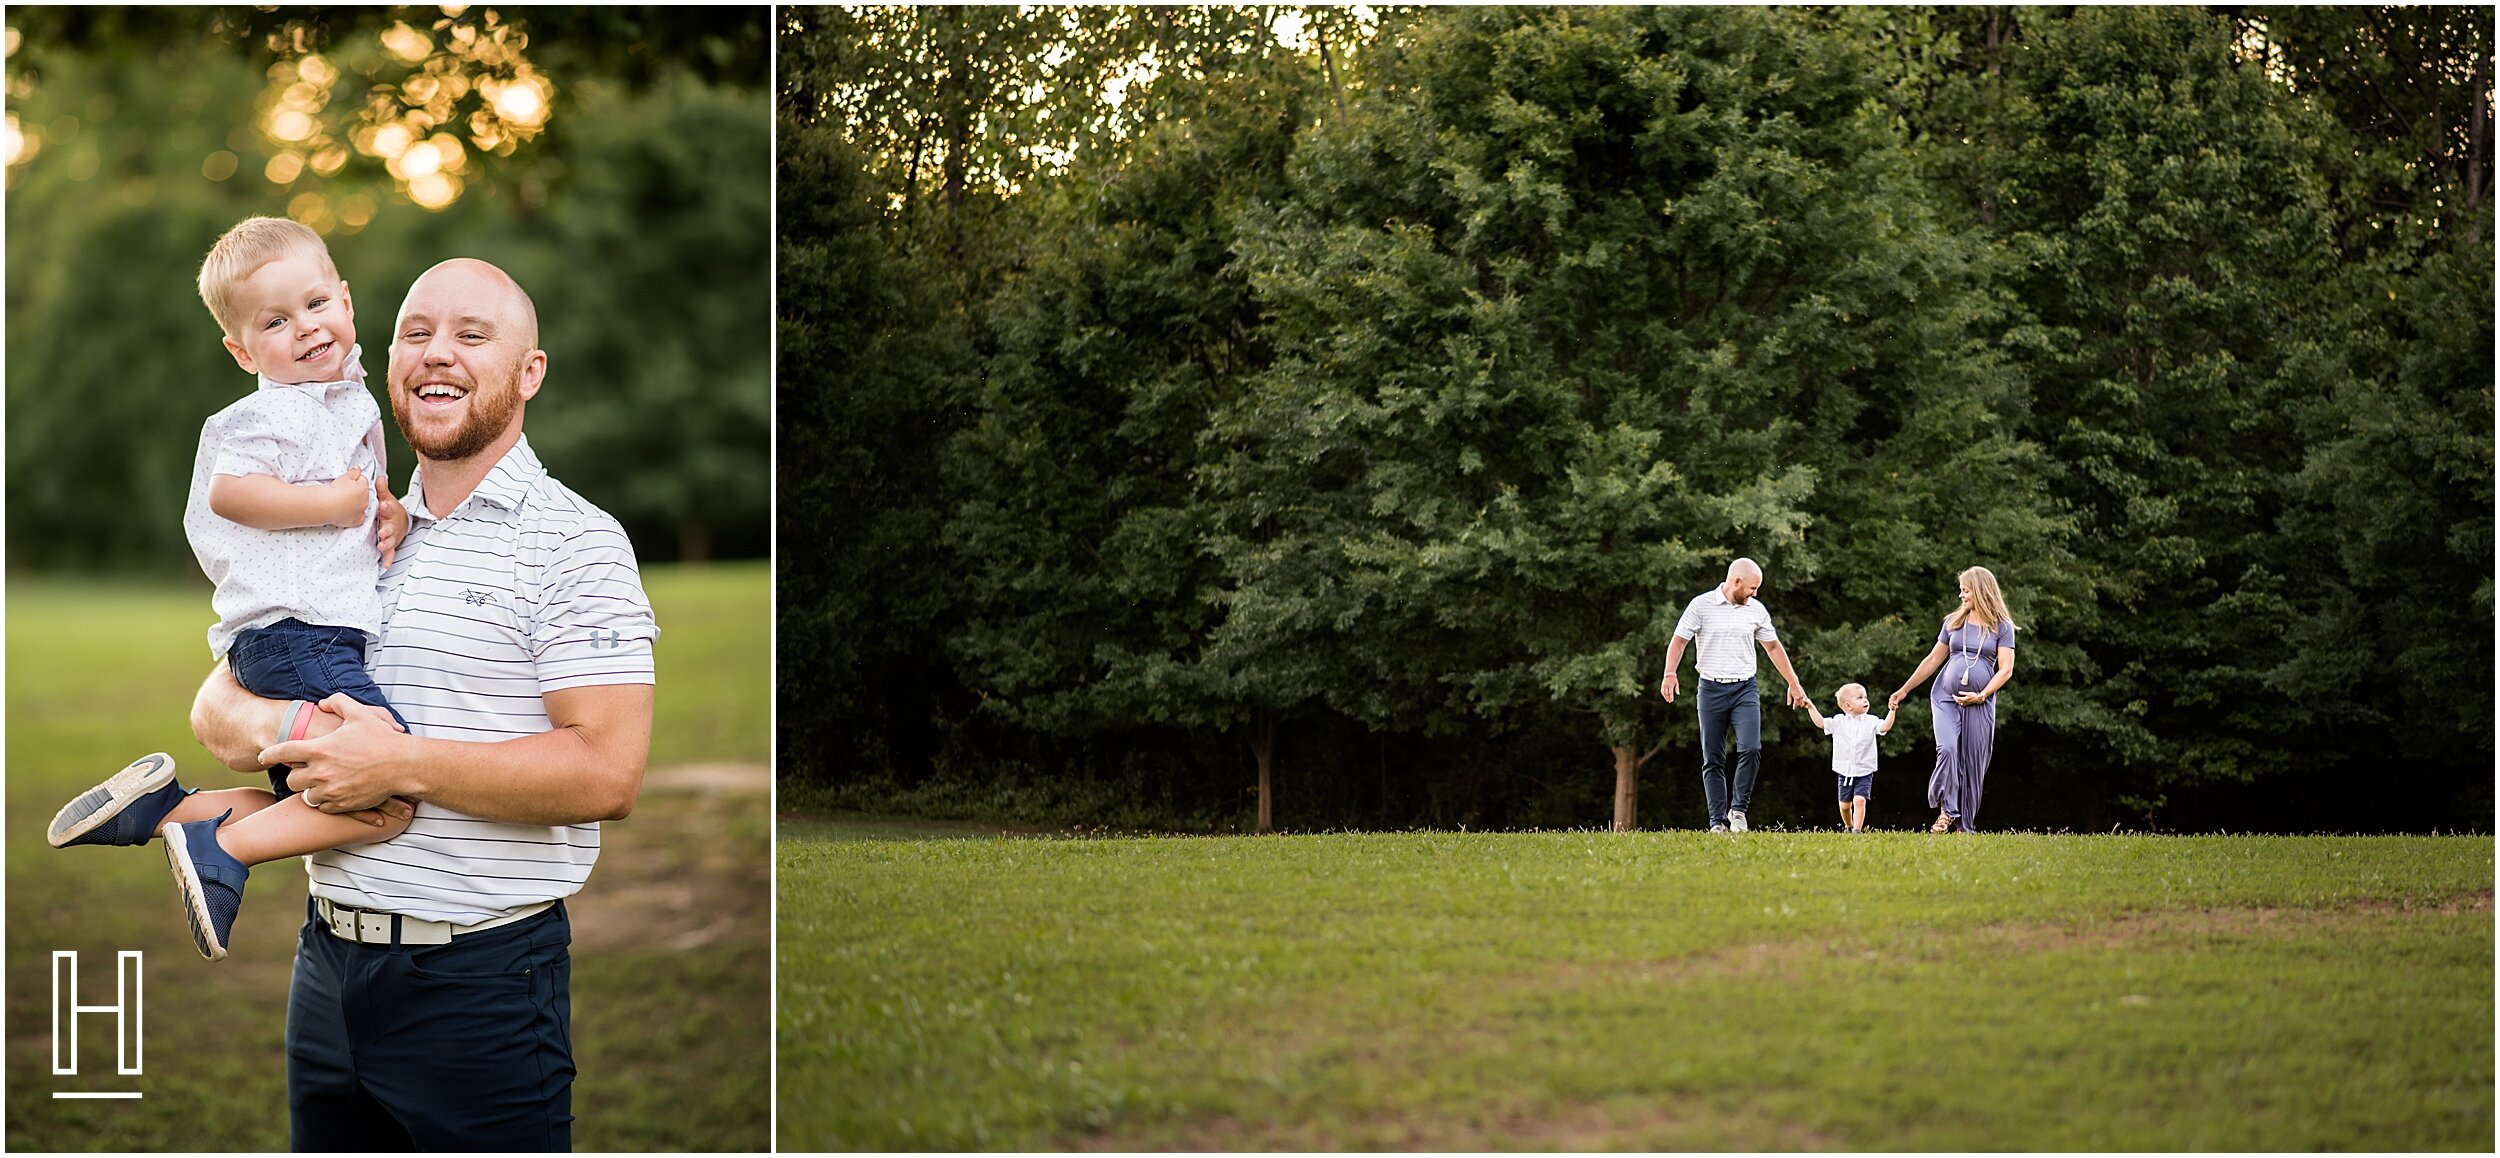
[477,598]
[606,638]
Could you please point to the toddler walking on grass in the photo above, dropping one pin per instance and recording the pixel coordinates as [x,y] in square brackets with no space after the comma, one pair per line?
[1853,735]
[289,516]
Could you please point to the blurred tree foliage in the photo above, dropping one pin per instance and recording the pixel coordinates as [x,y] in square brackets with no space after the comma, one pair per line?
[147,131]
[1375,388]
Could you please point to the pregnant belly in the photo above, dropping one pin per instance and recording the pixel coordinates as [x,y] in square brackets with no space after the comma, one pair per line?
[1964,675]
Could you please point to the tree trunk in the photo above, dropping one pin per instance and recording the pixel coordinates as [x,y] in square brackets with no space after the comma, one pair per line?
[1263,746]
[1329,60]
[2475,136]
[1628,784]
[1627,789]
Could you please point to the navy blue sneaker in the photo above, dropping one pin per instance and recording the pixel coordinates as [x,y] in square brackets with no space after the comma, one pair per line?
[211,882]
[125,809]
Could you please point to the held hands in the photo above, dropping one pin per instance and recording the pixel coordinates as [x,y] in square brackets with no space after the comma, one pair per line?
[351,770]
[1796,696]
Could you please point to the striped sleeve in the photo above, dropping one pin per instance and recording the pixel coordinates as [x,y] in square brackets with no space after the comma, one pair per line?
[594,624]
[1688,624]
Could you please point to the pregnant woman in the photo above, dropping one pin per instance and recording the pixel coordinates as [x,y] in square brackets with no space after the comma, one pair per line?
[1976,651]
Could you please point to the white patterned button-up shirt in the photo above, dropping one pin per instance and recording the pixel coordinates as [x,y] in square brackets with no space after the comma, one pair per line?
[306,434]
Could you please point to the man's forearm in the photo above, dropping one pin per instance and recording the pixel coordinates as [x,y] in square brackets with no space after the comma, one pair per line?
[586,767]
[1779,659]
[560,776]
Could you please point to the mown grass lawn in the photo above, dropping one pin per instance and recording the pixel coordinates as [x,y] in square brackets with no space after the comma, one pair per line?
[671,972]
[1667,991]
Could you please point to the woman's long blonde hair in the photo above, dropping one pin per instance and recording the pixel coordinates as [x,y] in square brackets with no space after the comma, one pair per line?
[1987,602]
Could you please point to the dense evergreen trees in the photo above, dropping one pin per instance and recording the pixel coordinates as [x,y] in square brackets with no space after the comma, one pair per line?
[1352,419]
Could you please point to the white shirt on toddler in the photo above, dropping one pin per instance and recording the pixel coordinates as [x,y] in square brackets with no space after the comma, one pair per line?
[1853,742]
[302,433]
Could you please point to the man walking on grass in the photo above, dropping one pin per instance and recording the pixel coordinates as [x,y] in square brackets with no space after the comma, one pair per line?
[1723,624]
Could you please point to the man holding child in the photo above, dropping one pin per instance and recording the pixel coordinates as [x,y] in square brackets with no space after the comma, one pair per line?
[430,1005]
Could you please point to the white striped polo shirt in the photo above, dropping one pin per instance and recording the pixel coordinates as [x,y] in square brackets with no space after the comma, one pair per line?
[523,589]
[1723,634]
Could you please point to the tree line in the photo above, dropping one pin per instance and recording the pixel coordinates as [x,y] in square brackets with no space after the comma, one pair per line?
[639,220]
[1233,417]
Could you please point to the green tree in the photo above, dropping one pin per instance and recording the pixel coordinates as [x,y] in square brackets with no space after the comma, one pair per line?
[2170,224]
[148,132]
[1122,325]
[1647,281]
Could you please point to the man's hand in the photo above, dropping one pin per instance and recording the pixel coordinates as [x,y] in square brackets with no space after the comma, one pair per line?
[390,522]
[1796,696]
[357,768]
[1667,687]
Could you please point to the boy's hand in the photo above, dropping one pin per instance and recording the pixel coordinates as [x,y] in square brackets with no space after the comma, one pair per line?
[349,492]
[390,522]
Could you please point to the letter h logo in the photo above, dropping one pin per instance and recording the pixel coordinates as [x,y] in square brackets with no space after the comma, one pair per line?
[125,1011]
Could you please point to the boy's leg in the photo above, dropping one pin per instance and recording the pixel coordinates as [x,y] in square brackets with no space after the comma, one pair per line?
[134,805]
[212,802]
[291,827]
[211,863]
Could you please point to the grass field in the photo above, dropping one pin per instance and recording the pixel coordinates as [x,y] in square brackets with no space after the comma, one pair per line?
[942,988]
[671,975]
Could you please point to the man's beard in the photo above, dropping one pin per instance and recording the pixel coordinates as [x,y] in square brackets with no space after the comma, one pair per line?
[490,411]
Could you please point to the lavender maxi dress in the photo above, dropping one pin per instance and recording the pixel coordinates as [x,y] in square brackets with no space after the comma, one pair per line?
[1965,737]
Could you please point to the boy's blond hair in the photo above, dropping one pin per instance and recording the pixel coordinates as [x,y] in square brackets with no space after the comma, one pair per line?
[1845,689]
[251,244]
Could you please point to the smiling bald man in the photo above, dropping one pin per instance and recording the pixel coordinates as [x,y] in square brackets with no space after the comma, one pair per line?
[431,1006]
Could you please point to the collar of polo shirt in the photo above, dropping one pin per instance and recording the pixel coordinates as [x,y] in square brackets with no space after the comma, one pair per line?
[504,487]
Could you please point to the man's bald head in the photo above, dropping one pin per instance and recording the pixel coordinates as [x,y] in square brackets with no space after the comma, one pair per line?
[486,287]
[1744,577]
[464,360]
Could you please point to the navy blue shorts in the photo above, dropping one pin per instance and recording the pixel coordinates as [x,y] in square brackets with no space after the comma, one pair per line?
[295,660]
[1851,786]
[461,1046]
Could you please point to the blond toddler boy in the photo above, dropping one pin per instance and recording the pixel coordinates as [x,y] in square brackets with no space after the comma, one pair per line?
[1853,734]
[290,517]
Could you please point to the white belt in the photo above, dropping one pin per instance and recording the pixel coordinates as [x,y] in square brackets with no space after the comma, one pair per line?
[365,927]
[1717,680]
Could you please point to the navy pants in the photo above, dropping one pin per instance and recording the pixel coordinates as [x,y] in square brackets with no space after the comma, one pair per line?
[295,660]
[462,1046]
[1725,706]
